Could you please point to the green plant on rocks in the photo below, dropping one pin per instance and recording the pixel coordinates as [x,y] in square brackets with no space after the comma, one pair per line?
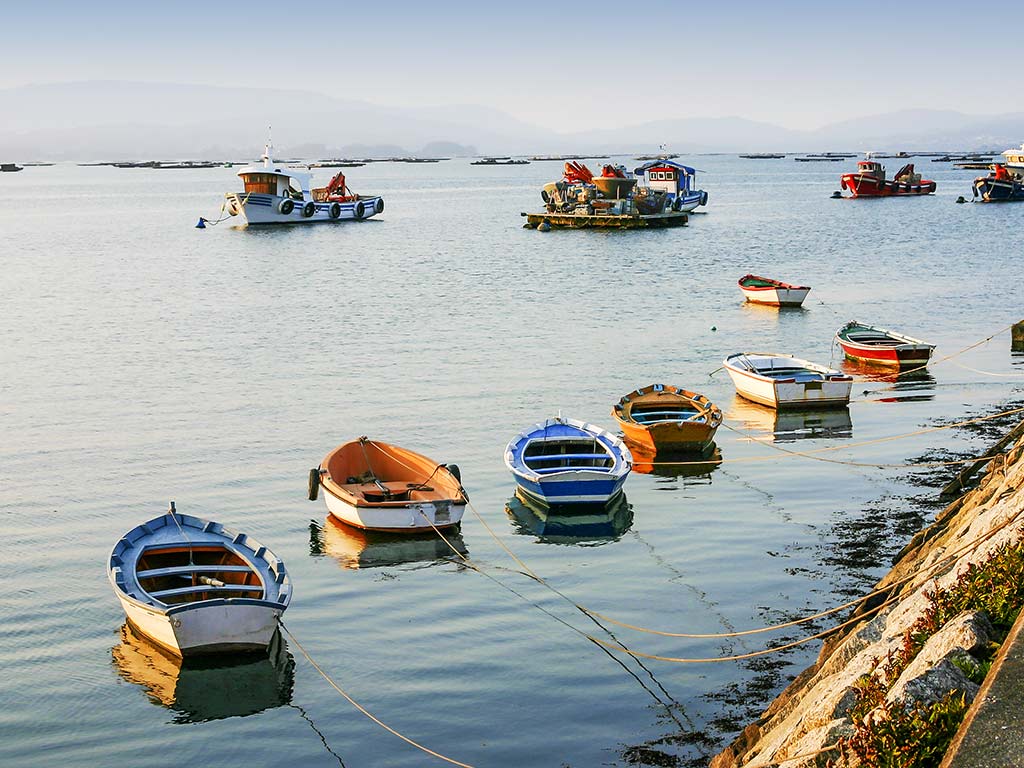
[896,735]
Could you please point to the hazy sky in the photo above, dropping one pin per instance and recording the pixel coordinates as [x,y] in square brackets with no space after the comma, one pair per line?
[798,64]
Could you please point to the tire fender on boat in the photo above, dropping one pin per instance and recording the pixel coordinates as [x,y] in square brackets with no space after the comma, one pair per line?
[314,483]
[286,207]
[360,210]
[309,209]
[334,211]
[379,205]
[233,208]
[703,198]
[454,471]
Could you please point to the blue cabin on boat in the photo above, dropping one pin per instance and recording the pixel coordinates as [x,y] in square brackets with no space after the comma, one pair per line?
[675,180]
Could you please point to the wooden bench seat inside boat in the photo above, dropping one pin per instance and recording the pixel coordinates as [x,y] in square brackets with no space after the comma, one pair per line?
[397,490]
[187,591]
[179,574]
[678,414]
[800,374]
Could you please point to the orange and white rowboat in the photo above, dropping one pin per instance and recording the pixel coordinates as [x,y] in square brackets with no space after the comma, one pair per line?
[382,487]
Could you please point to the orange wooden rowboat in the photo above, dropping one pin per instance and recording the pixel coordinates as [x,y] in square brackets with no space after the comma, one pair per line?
[662,417]
[382,487]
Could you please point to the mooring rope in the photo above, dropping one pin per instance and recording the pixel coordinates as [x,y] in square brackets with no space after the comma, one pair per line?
[479,569]
[812,453]
[594,615]
[361,708]
[795,643]
[957,354]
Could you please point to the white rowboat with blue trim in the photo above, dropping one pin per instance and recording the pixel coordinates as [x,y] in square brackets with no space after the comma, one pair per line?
[565,461]
[195,587]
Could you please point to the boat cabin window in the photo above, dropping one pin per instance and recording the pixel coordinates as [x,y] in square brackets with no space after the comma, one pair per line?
[260,183]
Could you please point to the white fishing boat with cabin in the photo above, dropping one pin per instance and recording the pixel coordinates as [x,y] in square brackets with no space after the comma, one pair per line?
[195,587]
[784,381]
[276,194]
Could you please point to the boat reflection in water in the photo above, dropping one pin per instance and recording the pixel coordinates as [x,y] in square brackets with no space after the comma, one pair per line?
[354,548]
[694,465]
[590,524]
[200,689]
[787,426]
[916,384]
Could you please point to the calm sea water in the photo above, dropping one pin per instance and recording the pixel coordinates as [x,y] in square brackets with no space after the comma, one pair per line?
[145,360]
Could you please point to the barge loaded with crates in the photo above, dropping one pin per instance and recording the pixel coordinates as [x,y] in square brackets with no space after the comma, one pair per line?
[657,194]
[274,194]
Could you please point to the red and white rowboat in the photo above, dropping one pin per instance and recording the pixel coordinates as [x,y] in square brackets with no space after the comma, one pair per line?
[765,290]
[878,345]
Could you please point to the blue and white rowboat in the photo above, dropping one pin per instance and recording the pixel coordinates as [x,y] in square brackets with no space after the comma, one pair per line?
[564,461]
[196,587]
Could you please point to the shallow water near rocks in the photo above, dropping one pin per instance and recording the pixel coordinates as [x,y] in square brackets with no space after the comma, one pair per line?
[145,360]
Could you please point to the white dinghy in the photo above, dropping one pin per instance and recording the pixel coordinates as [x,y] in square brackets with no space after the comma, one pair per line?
[784,381]
[195,587]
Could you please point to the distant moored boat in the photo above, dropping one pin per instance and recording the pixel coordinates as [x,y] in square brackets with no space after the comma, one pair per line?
[878,345]
[765,290]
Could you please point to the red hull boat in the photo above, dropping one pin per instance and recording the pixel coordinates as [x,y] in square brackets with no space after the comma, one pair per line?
[870,181]
[877,345]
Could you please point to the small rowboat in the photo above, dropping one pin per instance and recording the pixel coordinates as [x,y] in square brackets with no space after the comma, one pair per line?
[877,345]
[195,587]
[764,290]
[667,418]
[784,381]
[564,461]
[382,487]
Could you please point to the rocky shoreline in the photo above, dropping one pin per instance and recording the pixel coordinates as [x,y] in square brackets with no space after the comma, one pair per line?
[819,708]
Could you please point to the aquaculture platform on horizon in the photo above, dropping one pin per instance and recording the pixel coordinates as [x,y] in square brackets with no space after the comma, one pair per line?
[614,221]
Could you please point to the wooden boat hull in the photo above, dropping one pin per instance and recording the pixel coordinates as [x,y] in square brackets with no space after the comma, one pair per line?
[791,392]
[422,494]
[201,629]
[900,351]
[867,185]
[673,438]
[682,435]
[575,487]
[407,518]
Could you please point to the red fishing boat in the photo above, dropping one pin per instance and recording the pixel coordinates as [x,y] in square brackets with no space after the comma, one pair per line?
[877,345]
[870,181]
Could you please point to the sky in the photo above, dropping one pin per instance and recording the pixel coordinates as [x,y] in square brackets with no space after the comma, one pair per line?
[557,65]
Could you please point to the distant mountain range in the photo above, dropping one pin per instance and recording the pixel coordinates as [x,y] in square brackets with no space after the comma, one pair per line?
[111,120]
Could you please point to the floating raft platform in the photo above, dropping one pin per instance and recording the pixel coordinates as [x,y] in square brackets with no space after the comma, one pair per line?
[606,221]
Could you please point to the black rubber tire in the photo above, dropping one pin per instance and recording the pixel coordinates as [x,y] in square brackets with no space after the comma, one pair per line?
[286,207]
[544,196]
[454,471]
[309,209]
[314,483]
[334,211]
[360,210]
[378,207]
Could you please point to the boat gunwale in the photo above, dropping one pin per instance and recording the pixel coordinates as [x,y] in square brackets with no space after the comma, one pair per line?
[774,284]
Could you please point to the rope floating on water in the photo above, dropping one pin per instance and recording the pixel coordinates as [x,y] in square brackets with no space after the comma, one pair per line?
[361,708]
